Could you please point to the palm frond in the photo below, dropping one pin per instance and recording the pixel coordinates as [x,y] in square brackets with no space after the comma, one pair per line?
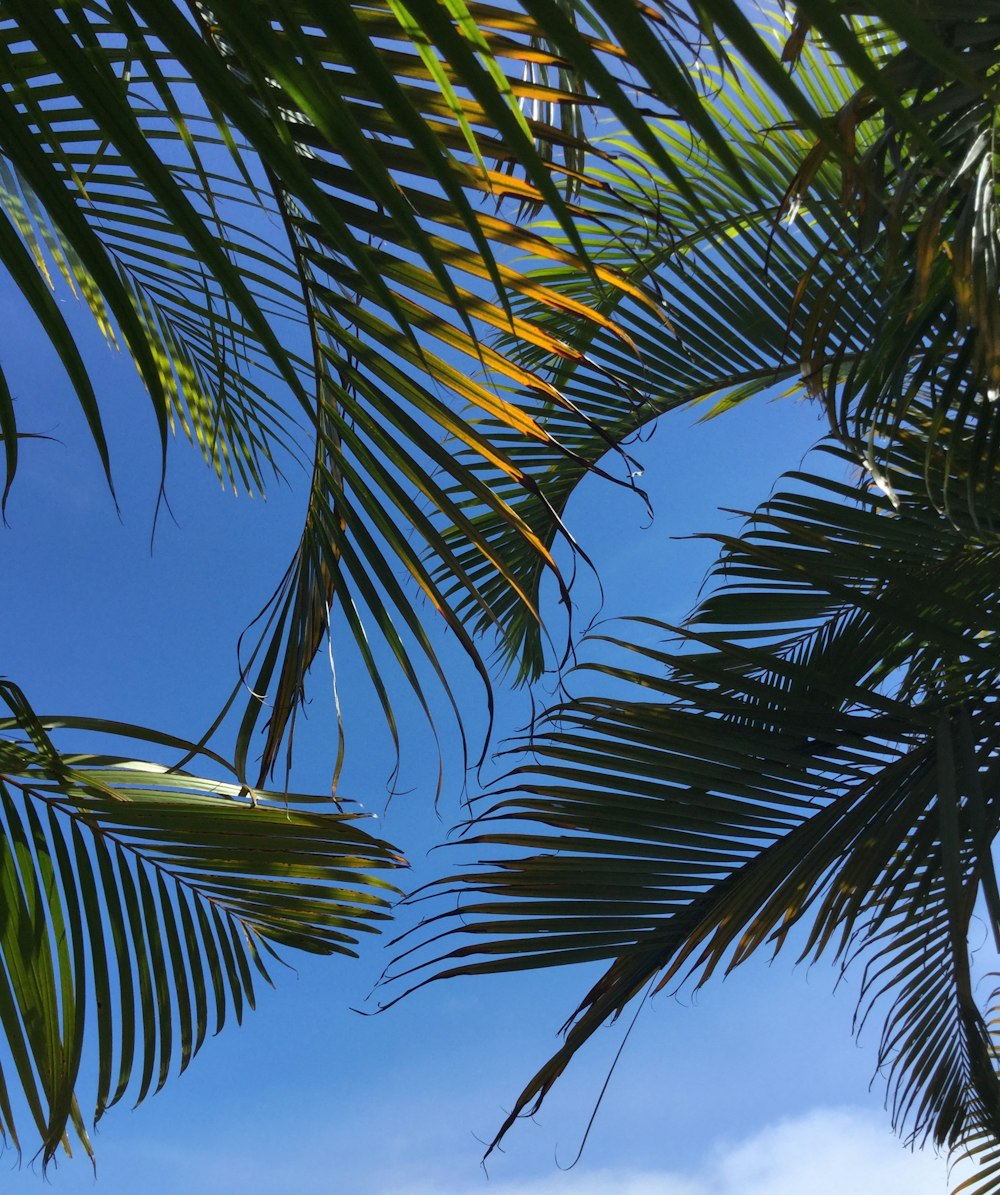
[818,751]
[736,288]
[819,265]
[140,901]
[385,213]
[139,206]
[380,134]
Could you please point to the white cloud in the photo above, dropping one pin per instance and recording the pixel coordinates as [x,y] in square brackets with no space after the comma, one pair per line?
[828,1152]
[825,1152]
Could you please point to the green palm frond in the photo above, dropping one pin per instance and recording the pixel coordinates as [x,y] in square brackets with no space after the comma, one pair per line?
[305,223]
[389,354]
[736,287]
[373,128]
[140,901]
[911,148]
[813,761]
[379,136]
[138,205]
[379,131]
[819,266]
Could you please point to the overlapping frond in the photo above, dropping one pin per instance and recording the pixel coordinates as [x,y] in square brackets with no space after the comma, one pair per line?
[830,250]
[382,134]
[736,285]
[142,207]
[387,152]
[828,695]
[402,231]
[813,760]
[139,903]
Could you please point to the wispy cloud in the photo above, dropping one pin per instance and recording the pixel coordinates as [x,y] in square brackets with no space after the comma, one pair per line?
[825,1152]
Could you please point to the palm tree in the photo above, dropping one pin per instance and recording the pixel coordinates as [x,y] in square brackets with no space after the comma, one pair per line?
[146,148]
[150,151]
[810,758]
[398,148]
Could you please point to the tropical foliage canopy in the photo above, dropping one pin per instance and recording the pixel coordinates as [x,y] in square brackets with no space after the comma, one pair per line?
[480,294]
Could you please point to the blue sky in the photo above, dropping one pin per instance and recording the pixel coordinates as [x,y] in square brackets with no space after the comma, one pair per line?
[754,1085]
